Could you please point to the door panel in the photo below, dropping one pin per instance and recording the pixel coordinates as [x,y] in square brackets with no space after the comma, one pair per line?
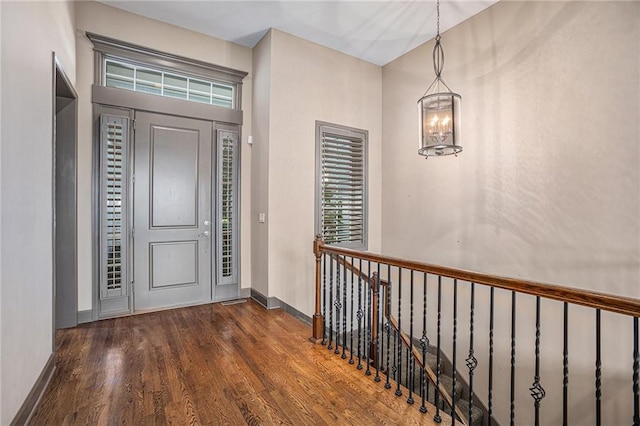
[174,177]
[174,264]
[172,211]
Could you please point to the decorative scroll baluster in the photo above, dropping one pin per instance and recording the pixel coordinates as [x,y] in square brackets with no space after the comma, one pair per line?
[454,374]
[324,297]
[378,327]
[491,306]
[399,340]
[338,305]
[359,316]
[636,367]
[565,366]
[437,417]
[344,308]
[537,391]
[387,326]
[598,370]
[331,307]
[512,399]
[368,321]
[373,285]
[472,362]
[410,372]
[424,342]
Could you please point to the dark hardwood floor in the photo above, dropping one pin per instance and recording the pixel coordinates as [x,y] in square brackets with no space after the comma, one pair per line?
[211,364]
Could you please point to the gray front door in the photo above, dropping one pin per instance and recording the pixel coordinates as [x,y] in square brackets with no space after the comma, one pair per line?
[172,211]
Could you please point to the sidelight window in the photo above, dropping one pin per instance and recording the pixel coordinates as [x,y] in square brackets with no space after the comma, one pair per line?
[113,160]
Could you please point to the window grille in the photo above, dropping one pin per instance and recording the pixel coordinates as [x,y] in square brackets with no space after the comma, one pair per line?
[129,76]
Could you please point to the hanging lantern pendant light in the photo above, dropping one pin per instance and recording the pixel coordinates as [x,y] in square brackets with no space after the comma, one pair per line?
[439,111]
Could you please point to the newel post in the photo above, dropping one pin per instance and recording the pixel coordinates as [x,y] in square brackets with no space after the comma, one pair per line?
[318,319]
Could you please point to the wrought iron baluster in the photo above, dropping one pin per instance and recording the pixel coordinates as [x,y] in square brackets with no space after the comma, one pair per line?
[344,308]
[598,370]
[537,391]
[512,410]
[424,342]
[410,365]
[399,339]
[472,362]
[351,361]
[413,371]
[338,305]
[378,325]
[368,322]
[359,316]
[384,322]
[565,366]
[454,373]
[636,367]
[331,307]
[406,370]
[324,298]
[437,417]
[491,306]
[387,327]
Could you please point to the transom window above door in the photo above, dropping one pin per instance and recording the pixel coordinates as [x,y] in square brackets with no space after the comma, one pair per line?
[122,65]
[125,75]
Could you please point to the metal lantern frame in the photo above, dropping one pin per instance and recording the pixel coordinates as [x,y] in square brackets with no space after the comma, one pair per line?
[439,111]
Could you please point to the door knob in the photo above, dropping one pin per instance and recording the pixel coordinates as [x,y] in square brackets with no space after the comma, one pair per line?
[206,233]
[207,223]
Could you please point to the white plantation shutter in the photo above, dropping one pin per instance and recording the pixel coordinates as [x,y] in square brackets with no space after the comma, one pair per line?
[227,217]
[113,160]
[341,189]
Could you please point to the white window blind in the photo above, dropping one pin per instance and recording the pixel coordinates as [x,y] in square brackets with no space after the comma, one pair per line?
[341,190]
[113,153]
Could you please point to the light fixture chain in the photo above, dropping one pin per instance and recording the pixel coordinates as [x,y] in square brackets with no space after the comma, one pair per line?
[438,20]
[438,52]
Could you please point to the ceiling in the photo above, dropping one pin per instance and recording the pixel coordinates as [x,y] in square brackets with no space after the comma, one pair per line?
[375,31]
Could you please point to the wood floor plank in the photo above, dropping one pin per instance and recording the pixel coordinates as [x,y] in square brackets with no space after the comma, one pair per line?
[210,365]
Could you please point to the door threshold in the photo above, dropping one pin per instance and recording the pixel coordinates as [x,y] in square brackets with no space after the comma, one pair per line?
[234,302]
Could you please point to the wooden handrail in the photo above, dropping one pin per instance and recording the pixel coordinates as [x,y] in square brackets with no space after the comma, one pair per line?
[592,299]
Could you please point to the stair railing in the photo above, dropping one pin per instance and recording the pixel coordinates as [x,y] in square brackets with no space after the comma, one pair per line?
[351,318]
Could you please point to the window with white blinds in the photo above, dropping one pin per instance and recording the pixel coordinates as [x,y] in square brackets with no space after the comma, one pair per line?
[113,156]
[227,206]
[341,187]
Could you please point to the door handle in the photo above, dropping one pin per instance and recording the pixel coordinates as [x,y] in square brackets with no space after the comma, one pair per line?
[207,223]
